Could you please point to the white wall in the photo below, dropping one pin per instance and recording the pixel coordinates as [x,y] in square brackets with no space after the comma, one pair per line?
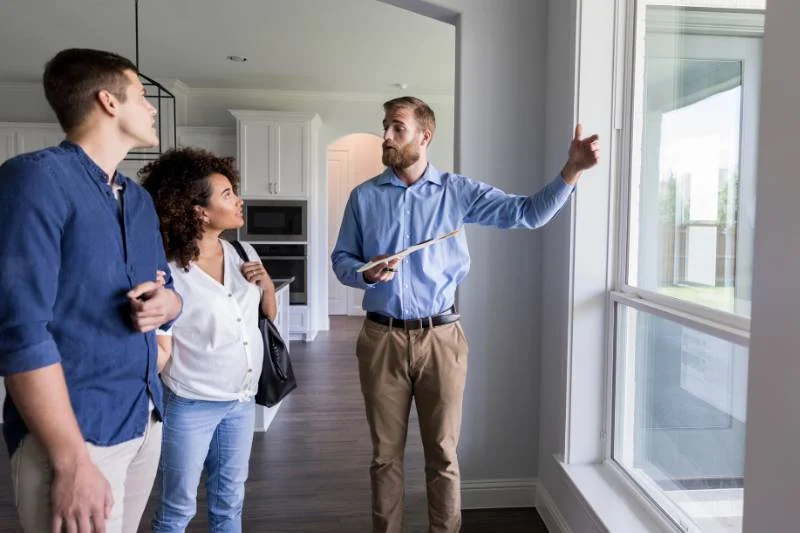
[773,411]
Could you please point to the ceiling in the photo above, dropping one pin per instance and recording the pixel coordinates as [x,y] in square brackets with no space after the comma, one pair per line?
[360,46]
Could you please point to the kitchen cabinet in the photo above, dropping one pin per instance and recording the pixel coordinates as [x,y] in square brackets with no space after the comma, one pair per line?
[277,152]
[298,322]
[19,138]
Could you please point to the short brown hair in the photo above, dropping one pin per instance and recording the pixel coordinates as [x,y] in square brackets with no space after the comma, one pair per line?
[422,112]
[178,181]
[73,78]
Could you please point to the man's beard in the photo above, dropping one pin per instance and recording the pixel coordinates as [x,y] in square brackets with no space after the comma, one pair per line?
[400,158]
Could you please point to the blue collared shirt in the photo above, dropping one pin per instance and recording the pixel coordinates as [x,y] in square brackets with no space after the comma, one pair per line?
[383,215]
[67,260]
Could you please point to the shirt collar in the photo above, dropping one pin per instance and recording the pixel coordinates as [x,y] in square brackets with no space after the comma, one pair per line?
[389,177]
[88,163]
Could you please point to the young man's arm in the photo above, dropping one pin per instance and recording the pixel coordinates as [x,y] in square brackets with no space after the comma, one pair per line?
[32,215]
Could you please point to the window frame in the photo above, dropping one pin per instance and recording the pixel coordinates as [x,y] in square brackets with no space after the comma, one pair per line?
[627,100]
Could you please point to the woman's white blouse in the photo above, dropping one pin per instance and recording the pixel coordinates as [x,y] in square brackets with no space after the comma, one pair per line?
[217,348]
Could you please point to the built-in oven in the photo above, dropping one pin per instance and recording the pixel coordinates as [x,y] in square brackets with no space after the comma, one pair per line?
[284,261]
[275,220]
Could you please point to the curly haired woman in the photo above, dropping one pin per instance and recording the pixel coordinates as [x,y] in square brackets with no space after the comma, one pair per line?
[215,353]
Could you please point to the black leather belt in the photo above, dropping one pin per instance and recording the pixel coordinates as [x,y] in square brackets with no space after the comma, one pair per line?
[414,323]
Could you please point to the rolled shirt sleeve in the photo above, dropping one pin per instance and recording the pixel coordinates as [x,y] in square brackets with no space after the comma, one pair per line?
[32,217]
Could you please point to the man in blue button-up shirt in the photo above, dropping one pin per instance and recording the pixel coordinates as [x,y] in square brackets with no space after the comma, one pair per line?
[411,344]
[79,303]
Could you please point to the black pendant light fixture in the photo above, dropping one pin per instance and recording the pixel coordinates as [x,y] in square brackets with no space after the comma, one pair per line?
[164,102]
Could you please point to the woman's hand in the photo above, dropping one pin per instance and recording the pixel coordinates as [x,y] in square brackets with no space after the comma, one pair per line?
[254,272]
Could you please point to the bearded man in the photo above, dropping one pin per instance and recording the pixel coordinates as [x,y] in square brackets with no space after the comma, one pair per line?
[411,344]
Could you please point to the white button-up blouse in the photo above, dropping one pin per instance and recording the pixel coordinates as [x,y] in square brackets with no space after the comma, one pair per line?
[217,348]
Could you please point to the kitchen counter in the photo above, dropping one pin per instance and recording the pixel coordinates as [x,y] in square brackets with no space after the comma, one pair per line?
[282,284]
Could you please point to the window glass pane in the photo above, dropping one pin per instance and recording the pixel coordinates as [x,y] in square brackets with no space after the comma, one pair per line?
[693,174]
[679,423]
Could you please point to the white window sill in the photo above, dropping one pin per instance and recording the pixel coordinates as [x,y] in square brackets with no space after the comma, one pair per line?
[616,505]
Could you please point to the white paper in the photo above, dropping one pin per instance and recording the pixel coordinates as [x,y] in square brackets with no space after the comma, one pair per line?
[410,249]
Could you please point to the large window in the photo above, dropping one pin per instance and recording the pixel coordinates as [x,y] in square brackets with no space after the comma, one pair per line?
[682,298]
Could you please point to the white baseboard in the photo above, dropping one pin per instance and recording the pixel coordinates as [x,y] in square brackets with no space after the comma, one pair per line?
[551,516]
[304,337]
[498,493]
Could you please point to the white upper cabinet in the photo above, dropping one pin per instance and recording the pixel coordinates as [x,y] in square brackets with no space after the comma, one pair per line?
[20,138]
[275,152]
[38,136]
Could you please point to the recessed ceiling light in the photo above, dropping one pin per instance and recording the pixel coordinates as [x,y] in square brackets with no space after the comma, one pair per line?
[237,59]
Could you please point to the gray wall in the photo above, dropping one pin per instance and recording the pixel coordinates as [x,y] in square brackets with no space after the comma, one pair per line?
[560,112]
[773,410]
[500,51]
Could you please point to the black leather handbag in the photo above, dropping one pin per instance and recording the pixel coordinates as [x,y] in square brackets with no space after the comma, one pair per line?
[277,376]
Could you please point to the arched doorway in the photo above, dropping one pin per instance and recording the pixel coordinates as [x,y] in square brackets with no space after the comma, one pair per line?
[352,159]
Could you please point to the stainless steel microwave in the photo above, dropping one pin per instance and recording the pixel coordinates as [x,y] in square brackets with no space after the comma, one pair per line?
[275,221]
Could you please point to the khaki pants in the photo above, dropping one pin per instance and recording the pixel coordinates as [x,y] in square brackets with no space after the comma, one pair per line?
[130,469]
[429,365]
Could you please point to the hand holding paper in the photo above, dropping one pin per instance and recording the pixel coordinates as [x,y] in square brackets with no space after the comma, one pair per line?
[382,272]
[401,254]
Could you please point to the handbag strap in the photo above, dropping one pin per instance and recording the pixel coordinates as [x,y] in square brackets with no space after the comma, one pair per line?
[243,255]
[240,250]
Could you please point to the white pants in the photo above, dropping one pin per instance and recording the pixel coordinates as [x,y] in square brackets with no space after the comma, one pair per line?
[130,469]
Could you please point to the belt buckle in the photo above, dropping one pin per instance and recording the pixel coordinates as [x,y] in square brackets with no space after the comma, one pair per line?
[412,323]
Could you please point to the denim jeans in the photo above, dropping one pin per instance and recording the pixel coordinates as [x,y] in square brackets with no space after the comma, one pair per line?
[198,434]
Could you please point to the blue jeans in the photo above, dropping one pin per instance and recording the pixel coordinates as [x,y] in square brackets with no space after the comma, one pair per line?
[197,434]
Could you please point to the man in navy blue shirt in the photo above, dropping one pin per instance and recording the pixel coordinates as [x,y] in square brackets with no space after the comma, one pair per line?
[80,299]
[412,344]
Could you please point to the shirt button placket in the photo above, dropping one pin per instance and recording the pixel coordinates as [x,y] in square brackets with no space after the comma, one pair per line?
[404,278]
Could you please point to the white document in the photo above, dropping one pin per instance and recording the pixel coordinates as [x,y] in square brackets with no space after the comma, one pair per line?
[401,254]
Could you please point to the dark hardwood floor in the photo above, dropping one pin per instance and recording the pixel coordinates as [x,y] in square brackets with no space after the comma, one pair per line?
[308,473]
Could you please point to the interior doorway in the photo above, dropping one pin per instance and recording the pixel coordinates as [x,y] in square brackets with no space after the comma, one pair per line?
[352,160]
